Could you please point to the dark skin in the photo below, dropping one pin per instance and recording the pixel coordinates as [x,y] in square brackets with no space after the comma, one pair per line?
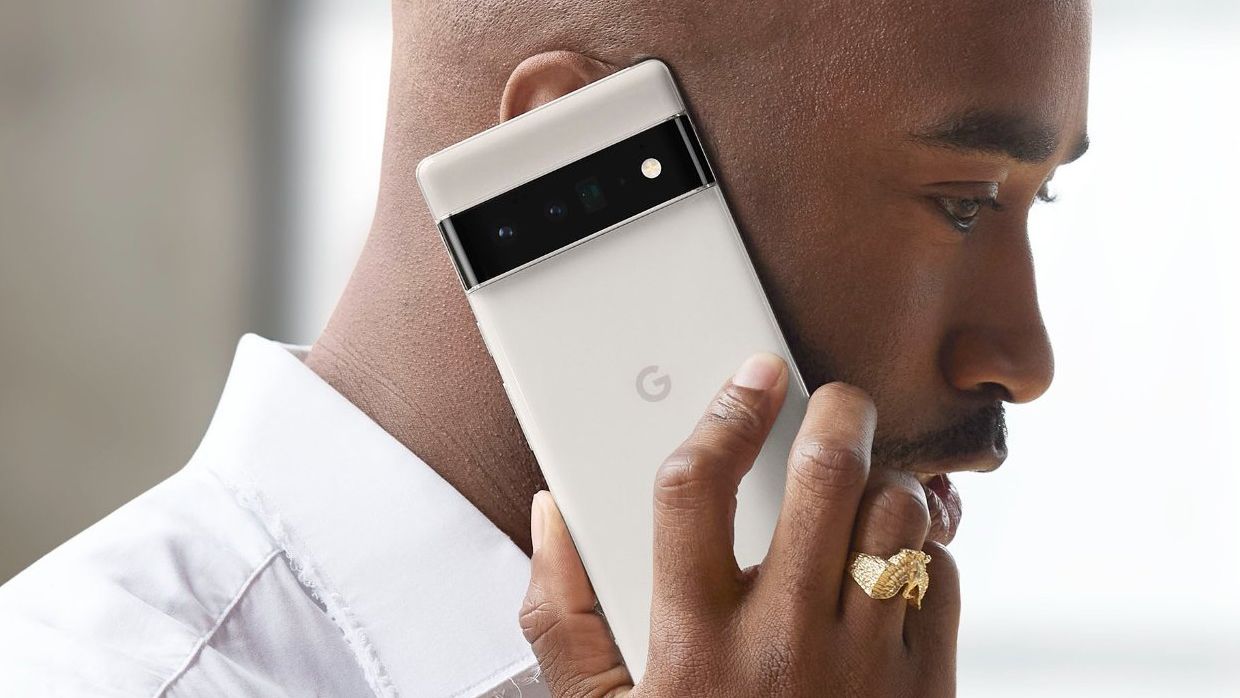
[881,159]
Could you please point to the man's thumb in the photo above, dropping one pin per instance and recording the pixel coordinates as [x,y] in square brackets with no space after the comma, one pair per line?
[574,649]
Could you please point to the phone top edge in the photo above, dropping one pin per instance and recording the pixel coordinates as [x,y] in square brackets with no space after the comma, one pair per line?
[548,136]
[556,166]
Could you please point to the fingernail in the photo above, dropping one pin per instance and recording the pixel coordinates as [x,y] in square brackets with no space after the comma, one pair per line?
[536,520]
[760,371]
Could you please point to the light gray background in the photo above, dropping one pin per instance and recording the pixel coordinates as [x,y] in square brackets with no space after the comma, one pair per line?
[173,173]
[128,227]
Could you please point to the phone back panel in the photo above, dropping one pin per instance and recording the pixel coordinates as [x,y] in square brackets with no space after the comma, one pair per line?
[611,349]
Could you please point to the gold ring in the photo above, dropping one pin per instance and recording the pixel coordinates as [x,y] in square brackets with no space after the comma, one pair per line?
[881,579]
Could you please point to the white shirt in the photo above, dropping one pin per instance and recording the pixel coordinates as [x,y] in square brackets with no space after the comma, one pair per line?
[303,551]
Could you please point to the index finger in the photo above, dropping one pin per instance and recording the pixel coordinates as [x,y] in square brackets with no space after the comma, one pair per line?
[695,488]
[828,466]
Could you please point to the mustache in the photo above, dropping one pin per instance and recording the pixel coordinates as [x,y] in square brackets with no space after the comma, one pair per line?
[984,429]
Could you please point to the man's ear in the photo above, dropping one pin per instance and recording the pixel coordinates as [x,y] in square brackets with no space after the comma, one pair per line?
[546,76]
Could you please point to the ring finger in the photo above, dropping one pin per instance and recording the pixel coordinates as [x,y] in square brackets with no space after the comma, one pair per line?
[892,516]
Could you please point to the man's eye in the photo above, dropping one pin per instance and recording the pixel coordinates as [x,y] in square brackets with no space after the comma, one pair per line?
[964,213]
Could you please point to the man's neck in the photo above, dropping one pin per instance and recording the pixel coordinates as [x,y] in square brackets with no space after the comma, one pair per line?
[403,347]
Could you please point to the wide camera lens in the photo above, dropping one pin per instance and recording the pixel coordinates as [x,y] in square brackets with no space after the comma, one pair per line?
[505,233]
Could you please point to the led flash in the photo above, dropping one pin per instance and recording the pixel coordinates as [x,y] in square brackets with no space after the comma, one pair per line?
[651,168]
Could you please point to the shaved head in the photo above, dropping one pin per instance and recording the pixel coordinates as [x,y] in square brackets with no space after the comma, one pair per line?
[880,156]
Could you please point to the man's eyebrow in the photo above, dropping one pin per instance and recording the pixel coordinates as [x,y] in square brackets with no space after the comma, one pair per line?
[998,133]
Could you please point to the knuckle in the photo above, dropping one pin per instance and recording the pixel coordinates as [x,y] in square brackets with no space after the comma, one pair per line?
[829,470]
[901,509]
[681,478]
[732,422]
[737,413]
[538,619]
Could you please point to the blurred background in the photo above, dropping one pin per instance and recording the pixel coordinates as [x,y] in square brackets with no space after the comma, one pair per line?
[174,174]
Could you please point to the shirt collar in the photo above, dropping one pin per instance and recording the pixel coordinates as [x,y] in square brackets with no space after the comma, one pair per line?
[425,588]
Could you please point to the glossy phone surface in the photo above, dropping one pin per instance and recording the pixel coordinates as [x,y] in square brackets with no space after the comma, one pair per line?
[615,295]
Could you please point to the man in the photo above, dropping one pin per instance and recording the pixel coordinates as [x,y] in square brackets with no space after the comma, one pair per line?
[358,518]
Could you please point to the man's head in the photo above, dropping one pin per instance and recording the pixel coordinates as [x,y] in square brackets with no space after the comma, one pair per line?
[881,159]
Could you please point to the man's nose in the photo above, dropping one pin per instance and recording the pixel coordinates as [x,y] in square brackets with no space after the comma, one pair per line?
[999,342]
[1015,362]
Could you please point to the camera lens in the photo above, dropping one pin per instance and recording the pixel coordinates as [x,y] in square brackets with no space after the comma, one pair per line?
[591,195]
[505,233]
[556,210]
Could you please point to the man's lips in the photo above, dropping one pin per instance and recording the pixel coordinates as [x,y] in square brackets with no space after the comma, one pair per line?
[945,509]
[942,497]
[982,460]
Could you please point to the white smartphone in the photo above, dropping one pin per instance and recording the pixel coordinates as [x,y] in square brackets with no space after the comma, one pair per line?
[613,290]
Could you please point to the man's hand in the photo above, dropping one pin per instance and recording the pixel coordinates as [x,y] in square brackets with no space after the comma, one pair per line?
[795,625]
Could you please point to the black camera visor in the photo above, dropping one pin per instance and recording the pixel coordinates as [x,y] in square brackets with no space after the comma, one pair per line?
[586,196]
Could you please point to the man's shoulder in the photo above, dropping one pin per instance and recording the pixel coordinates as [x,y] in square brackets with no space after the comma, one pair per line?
[125,603]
